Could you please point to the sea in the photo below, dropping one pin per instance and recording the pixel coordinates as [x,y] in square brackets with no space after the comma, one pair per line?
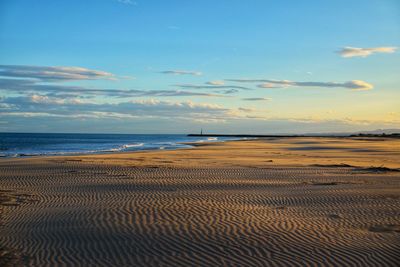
[45,144]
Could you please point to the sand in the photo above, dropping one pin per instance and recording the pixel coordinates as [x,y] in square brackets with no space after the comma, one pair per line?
[275,202]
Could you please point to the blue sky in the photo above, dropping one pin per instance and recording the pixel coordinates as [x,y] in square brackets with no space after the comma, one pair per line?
[177,66]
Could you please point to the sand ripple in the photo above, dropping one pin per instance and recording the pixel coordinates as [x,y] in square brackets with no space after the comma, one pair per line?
[82,215]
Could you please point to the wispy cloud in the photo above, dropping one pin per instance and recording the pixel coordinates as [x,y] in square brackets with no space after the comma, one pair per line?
[196,86]
[24,86]
[182,72]
[256,99]
[215,83]
[32,79]
[364,52]
[52,74]
[268,83]
[228,91]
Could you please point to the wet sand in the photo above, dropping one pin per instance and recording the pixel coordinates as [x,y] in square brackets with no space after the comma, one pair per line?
[274,202]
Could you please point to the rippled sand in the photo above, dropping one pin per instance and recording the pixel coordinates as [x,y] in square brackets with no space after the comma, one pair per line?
[199,207]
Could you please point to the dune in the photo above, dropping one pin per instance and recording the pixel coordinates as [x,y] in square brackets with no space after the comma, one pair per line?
[239,203]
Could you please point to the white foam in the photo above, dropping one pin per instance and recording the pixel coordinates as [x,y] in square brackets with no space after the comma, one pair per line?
[133,145]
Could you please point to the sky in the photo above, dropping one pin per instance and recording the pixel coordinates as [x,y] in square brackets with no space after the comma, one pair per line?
[229,66]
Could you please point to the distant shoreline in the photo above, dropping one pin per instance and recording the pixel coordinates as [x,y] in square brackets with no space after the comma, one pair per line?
[87,144]
[395,135]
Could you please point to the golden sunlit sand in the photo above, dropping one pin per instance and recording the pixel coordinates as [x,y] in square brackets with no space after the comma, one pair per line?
[268,202]
[298,151]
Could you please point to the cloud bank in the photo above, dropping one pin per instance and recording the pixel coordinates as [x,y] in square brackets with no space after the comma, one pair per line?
[40,112]
[45,106]
[349,51]
[37,92]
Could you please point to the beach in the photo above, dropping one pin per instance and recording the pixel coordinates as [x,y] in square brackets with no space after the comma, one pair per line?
[302,201]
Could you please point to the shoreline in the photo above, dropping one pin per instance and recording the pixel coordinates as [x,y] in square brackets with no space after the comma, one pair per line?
[296,151]
[114,151]
[195,144]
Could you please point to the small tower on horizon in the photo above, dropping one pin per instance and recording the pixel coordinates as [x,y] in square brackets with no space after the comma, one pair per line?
[201,131]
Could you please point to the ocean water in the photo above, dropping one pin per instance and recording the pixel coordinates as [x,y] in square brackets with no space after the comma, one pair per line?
[38,144]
